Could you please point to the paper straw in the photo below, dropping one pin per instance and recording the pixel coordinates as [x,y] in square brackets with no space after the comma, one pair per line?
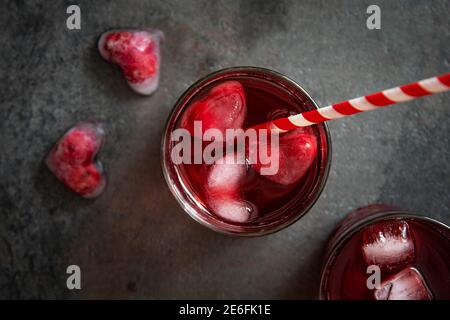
[366,103]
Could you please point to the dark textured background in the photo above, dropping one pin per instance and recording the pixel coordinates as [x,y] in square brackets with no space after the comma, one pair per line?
[134,241]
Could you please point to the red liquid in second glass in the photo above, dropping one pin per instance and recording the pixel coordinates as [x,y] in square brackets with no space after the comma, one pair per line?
[265,102]
[345,275]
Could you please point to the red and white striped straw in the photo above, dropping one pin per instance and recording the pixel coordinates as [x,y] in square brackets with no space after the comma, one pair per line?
[366,103]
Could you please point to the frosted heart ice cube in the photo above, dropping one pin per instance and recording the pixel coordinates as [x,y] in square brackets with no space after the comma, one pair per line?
[223,189]
[72,159]
[223,107]
[234,210]
[137,53]
[388,244]
[295,154]
[408,284]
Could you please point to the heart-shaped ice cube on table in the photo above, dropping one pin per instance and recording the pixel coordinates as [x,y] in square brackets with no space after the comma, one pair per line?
[137,53]
[72,159]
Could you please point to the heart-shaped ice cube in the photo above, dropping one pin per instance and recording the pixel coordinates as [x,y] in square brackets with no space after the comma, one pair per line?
[137,53]
[223,107]
[223,189]
[295,153]
[72,159]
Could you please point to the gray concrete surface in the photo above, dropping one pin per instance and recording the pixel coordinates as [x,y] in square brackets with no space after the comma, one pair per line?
[134,241]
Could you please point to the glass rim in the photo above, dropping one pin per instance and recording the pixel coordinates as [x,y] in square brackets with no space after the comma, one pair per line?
[196,87]
[356,227]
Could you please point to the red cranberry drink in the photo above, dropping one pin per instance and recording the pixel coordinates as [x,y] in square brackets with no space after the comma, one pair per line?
[381,253]
[264,182]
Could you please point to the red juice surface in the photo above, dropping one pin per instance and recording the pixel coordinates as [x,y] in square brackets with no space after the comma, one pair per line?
[345,276]
[265,101]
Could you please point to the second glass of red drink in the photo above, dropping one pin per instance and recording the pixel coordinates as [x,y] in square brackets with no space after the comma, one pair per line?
[379,252]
